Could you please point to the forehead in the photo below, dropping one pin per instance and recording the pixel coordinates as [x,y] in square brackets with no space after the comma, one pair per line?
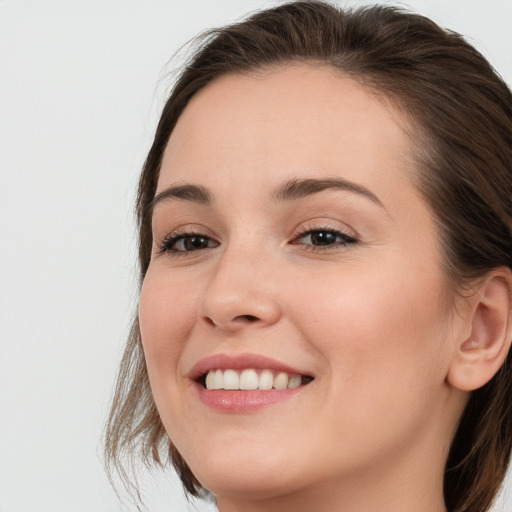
[284,123]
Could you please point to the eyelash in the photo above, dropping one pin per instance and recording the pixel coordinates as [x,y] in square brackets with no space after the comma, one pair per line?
[346,239]
[175,236]
[166,246]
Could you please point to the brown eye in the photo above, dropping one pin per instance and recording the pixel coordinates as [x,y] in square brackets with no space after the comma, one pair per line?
[187,243]
[324,238]
[191,243]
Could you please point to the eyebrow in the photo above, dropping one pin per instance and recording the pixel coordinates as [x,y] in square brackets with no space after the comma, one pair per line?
[187,192]
[288,191]
[299,188]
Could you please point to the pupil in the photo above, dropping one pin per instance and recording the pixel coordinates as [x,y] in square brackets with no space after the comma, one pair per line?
[323,238]
[195,242]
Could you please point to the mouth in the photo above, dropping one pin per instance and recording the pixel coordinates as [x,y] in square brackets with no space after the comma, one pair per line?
[242,383]
[251,379]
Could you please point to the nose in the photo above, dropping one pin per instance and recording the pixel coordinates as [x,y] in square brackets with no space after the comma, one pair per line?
[240,293]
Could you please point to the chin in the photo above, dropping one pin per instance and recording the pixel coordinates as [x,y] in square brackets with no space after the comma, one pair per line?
[248,484]
[252,475]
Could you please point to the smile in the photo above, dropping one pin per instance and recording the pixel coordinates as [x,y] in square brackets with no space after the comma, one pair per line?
[245,383]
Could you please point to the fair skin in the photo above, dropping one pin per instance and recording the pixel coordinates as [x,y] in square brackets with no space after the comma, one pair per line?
[342,283]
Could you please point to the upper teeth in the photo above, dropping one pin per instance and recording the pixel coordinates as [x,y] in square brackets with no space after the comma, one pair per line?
[251,379]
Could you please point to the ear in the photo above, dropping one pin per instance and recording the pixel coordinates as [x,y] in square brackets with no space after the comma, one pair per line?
[480,355]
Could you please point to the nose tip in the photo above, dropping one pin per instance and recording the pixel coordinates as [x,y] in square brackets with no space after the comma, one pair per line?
[230,310]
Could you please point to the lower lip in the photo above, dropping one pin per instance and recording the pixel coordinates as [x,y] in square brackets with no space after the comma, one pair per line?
[240,401]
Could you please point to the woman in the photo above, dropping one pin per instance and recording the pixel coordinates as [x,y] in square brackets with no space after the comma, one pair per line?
[326,253]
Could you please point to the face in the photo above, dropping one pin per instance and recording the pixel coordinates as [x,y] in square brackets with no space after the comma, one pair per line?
[292,251]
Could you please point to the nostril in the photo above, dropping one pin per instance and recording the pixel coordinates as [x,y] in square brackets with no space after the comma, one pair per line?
[248,318]
[209,321]
[232,322]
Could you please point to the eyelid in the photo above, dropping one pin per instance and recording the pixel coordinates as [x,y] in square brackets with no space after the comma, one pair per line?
[324,225]
[180,233]
[344,236]
[322,230]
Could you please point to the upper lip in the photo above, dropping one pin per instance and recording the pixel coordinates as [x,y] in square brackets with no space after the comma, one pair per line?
[239,362]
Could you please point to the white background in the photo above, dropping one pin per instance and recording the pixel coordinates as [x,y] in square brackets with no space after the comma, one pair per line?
[81,85]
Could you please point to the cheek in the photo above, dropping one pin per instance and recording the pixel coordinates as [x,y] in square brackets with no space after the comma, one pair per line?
[382,338]
[166,317]
[380,325]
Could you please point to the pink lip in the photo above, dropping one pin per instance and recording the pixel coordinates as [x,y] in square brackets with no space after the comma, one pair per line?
[239,401]
[243,401]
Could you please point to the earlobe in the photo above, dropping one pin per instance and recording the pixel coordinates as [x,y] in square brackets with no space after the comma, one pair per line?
[480,355]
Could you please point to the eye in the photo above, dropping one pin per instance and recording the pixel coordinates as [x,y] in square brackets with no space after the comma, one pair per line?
[183,243]
[319,239]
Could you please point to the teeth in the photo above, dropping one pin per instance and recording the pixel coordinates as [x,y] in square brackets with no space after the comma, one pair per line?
[218,380]
[210,380]
[251,379]
[231,380]
[281,381]
[295,381]
[266,380]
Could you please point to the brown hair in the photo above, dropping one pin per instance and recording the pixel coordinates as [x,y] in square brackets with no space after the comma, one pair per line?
[461,111]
